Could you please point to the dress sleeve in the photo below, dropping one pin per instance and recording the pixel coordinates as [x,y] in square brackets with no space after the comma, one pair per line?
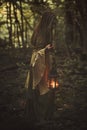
[38,66]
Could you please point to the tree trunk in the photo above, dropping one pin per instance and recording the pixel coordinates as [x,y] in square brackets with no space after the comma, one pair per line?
[69,26]
[22,24]
[82,8]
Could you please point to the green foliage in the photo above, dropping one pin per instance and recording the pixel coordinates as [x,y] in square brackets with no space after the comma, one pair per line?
[31,12]
[24,15]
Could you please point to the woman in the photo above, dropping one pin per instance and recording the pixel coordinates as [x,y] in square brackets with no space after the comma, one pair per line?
[39,96]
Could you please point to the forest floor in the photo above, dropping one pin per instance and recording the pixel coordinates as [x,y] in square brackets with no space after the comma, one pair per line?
[71,96]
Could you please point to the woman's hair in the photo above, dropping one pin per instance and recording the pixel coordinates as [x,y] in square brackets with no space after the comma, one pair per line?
[43,34]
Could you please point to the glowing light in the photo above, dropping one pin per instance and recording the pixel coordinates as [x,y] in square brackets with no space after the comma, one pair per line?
[53,84]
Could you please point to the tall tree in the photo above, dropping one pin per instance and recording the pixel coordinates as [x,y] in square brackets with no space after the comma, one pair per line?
[82,20]
[69,24]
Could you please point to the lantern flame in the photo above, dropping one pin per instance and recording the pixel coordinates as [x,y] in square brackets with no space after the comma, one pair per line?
[54,84]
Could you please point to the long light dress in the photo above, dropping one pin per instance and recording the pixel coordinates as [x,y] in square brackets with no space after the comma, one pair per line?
[39,96]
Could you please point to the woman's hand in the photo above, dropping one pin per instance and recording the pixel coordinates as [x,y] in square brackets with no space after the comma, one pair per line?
[49,47]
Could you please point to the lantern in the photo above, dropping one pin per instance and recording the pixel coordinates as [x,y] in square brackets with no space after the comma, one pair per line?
[52,79]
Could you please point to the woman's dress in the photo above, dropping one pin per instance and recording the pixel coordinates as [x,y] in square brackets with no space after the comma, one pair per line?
[39,96]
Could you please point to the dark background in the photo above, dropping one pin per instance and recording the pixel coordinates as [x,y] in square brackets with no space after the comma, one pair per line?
[17,21]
